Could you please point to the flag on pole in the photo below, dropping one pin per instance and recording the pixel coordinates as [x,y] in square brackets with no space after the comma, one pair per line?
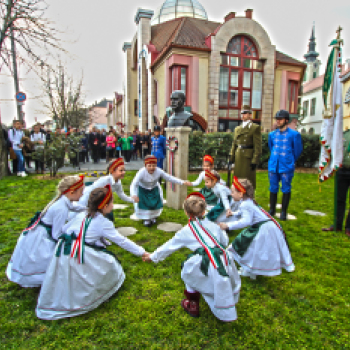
[332,126]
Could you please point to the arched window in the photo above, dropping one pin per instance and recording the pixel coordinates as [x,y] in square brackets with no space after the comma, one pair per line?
[241,80]
[311,131]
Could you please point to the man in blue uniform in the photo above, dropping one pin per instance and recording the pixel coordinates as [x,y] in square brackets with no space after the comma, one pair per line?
[285,146]
[158,147]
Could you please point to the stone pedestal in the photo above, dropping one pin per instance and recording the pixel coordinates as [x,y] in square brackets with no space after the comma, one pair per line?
[176,197]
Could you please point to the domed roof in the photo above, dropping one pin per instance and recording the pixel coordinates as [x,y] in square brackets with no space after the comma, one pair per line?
[172,9]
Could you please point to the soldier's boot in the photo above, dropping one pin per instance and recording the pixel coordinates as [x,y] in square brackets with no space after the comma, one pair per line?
[285,204]
[273,202]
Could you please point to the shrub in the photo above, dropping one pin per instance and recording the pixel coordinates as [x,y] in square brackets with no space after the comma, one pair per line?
[53,152]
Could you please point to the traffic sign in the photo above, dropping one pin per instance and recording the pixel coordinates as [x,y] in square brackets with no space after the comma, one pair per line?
[21,96]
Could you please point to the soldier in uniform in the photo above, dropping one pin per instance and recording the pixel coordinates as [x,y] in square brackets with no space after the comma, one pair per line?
[246,147]
[343,185]
[158,147]
[285,146]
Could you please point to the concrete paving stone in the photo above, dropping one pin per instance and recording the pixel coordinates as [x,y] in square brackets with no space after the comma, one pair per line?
[289,216]
[169,226]
[119,206]
[314,213]
[127,231]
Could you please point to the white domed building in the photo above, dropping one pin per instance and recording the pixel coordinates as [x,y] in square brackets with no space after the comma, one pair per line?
[172,9]
[220,66]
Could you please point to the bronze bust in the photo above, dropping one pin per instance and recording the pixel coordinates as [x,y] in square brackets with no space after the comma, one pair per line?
[180,117]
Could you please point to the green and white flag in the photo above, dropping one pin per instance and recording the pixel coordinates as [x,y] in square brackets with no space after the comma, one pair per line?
[332,126]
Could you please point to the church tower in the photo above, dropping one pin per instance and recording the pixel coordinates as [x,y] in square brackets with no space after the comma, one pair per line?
[313,63]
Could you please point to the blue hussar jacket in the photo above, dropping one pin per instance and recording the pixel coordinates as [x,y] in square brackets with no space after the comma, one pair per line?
[285,148]
[158,147]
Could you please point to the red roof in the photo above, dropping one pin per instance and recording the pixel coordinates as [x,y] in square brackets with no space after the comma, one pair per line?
[184,31]
[283,58]
[191,33]
[313,84]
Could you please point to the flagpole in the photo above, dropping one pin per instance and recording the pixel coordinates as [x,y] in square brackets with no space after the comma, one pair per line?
[334,113]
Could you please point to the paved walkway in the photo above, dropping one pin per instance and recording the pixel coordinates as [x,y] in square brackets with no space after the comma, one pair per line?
[90,167]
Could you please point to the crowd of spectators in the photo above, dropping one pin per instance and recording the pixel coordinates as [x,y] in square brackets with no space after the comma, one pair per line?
[96,146]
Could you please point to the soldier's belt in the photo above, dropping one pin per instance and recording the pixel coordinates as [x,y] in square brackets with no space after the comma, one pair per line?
[245,147]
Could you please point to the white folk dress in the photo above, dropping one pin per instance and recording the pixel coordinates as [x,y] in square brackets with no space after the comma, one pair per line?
[34,249]
[267,252]
[102,182]
[206,192]
[201,177]
[220,292]
[71,288]
[225,202]
[149,182]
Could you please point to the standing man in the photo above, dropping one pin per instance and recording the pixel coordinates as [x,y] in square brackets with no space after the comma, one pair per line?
[342,177]
[158,147]
[94,143]
[15,136]
[246,147]
[285,146]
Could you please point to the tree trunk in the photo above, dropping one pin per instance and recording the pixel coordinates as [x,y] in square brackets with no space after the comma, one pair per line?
[4,170]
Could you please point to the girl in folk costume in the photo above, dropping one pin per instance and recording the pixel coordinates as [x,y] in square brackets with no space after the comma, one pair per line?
[116,172]
[261,248]
[36,243]
[210,197]
[83,273]
[226,206]
[145,187]
[208,270]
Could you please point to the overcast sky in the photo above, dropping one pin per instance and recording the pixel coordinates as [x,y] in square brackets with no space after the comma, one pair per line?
[100,28]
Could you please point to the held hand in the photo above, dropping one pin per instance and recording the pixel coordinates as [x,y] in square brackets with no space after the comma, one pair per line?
[187,183]
[223,226]
[20,145]
[135,198]
[228,213]
[146,257]
[253,166]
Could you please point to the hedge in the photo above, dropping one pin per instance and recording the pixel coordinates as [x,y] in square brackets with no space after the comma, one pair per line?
[219,145]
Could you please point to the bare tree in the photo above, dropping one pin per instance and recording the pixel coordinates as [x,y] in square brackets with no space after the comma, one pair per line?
[65,99]
[34,36]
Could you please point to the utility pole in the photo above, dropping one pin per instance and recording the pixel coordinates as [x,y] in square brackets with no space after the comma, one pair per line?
[15,75]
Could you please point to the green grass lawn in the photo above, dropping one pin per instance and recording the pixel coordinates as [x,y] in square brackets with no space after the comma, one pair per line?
[307,309]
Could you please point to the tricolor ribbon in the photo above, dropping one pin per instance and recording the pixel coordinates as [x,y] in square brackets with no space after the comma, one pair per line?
[34,221]
[79,244]
[195,230]
[171,168]
[274,221]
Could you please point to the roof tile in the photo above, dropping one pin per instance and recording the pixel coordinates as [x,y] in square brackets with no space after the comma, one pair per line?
[313,84]
[283,58]
[183,31]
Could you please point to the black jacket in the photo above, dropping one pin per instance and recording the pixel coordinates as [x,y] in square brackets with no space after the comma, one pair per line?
[92,138]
